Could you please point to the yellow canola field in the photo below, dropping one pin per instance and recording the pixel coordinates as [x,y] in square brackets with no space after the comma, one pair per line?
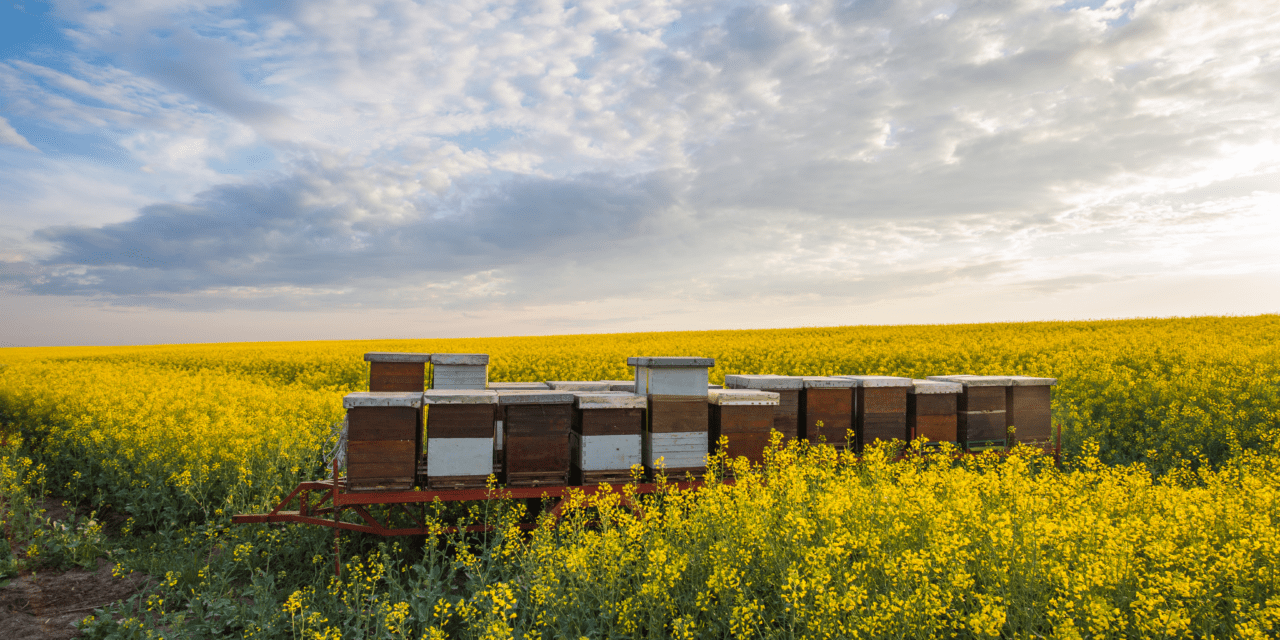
[181,431]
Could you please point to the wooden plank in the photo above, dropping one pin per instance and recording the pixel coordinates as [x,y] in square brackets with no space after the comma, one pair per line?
[833,408]
[591,478]
[729,419]
[533,419]
[935,428]
[608,422]
[749,444]
[382,423]
[935,404]
[882,400]
[1029,412]
[370,451]
[536,479]
[460,420]
[444,483]
[786,417]
[397,376]
[883,426]
[674,414]
[979,428]
[459,456]
[604,452]
[977,398]
[544,453]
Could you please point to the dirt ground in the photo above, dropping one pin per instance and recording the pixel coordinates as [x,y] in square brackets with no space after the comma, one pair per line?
[44,606]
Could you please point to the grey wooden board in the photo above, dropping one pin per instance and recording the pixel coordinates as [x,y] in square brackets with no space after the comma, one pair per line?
[458,376]
[604,453]
[651,361]
[382,399]
[677,449]
[827,382]
[497,435]
[872,382]
[611,400]
[727,397]
[976,381]
[740,381]
[384,356]
[459,396]
[577,385]
[459,456]
[621,385]
[685,381]
[535,397]
[460,358]
[925,387]
[518,386]
[1029,381]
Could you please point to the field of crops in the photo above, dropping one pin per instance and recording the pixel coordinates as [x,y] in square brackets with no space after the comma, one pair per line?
[1162,525]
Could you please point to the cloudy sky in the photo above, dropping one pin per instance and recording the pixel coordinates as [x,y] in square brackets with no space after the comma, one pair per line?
[208,170]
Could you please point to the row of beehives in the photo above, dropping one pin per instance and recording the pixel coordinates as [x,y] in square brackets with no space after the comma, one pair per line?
[669,417]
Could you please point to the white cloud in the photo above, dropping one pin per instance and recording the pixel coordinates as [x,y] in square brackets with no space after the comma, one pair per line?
[489,154]
[10,136]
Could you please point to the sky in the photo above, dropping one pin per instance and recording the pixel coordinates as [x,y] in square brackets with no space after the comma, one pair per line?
[211,170]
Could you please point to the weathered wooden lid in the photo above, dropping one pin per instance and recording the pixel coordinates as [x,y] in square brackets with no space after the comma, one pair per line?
[976,381]
[927,387]
[827,382]
[870,382]
[518,386]
[614,400]
[382,399]
[577,385]
[534,397]
[459,396]
[653,362]
[621,385]
[460,358]
[388,356]
[729,397]
[1030,381]
[714,386]
[738,381]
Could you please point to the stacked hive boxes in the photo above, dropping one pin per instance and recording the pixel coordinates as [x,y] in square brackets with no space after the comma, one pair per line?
[497,425]
[879,408]
[1028,410]
[931,410]
[605,441]
[459,370]
[744,417]
[459,437]
[981,420]
[786,419]
[675,430]
[383,439]
[827,401]
[397,371]
[536,426]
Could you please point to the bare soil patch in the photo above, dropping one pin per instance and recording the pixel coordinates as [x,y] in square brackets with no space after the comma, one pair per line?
[44,605]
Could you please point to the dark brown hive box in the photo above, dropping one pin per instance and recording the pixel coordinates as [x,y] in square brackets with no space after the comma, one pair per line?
[829,401]
[606,438]
[384,436]
[536,427]
[1028,410]
[786,418]
[980,410]
[879,408]
[675,429]
[745,417]
[397,371]
[931,410]
[460,438]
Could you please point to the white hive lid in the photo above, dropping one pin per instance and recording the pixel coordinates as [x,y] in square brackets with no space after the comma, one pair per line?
[474,359]
[927,387]
[665,361]
[610,400]
[534,397]
[389,356]
[742,381]
[871,382]
[1030,381]
[577,385]
[731,397]
[382,399]
[827,382]
[518,386]
[459,396]
[976,381]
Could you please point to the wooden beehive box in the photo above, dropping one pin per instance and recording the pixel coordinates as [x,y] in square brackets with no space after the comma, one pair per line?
[605,441]
[675,430]
[1028,410]
[786,418]
[931,410]
[460,438]
[829,401]
[980,410]
[384,436]
[397,371]
[459,370]
[744,417]
[536,427]
[879,408]
[578,385]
